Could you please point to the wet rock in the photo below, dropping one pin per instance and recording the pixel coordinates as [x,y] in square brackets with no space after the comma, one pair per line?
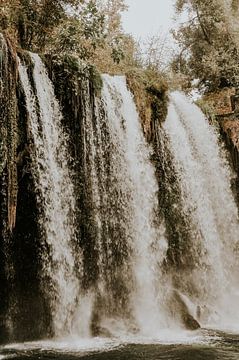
[189,322]
[182,312]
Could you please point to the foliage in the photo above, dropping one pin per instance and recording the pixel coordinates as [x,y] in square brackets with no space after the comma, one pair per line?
[71,26]
[33,21]
[207,49]
[113,10]
[208,109]
[157,52]
[114,62]
[150,94]
[81,33]
[118,52]
[90,30]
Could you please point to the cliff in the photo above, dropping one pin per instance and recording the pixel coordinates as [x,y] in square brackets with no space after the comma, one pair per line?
[224,107]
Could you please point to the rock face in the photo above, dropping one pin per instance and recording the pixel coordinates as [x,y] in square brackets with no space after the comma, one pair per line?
[230,133]
[182,312]
[226,109]
[19,234]
[151,99]
[222,101]
[8,169]
[8,129]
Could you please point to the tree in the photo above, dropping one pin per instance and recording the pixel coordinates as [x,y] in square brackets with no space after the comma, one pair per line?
[231,10]
[81,32]
[33,21]
[80,27]
[157,52]
[120,50]
[207,49]
[114,33]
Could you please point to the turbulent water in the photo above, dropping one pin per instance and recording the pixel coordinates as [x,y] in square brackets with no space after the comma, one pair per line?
[155,255]
[201,346]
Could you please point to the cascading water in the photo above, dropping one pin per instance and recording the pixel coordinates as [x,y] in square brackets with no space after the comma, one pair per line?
[209,208]
[129,242]
[121,193]
[55,192]
[145,236]
[117,278]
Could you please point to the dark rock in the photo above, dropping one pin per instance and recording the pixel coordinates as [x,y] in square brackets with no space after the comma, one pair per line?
[182,312]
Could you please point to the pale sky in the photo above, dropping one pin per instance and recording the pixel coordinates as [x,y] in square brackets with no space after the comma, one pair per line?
[148,17]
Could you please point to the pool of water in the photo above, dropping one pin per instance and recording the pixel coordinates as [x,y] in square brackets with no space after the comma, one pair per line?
[201,345]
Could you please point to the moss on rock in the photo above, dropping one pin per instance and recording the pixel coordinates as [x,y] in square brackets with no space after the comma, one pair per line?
[150,94]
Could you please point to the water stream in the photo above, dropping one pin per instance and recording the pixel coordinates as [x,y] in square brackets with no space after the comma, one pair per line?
[55,192]
[201,165]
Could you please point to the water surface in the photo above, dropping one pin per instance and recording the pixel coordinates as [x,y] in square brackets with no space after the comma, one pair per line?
[201,345]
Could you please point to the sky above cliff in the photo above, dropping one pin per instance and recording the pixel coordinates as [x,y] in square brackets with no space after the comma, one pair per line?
[148,17]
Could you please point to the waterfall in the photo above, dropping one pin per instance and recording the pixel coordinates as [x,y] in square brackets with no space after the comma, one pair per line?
[123,252]
[129,240]
[208,206]
[149,253]
[55,191]
[144,230]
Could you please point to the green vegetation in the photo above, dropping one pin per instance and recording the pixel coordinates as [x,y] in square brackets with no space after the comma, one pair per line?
[76,33]
[85,28]
[91,30]
[208,51]
[150,88]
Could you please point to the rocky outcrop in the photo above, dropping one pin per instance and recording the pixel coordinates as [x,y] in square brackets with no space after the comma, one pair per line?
[151,99]
[230,133]
[8,170]
[182,312]
[8,129]
[228,118]
[224,108]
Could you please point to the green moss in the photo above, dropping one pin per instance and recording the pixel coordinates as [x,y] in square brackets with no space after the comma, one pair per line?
[24,57]
[156,86]
[69,62]
[150,92]
[209,111]
[96,80]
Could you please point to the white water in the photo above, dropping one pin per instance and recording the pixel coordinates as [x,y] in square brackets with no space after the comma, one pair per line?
[204,178]
[55,195]
[97,345]
[138,179]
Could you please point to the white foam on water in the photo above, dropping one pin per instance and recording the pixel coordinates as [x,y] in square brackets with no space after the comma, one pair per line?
[82,346]
[71,345]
